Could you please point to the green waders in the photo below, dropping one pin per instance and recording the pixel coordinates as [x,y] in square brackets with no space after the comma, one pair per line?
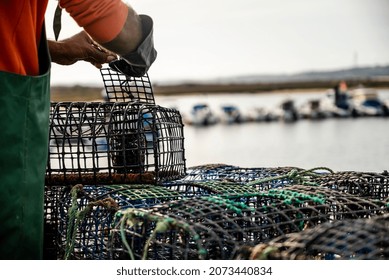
[24,124]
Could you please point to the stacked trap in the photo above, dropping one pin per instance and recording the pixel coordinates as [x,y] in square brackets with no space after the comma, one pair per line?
[127,138]
[218,227]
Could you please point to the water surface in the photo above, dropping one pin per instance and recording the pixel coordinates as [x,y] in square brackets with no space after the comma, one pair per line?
[360,144]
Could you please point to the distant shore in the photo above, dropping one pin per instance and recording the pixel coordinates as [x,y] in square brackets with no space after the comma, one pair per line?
[85,93]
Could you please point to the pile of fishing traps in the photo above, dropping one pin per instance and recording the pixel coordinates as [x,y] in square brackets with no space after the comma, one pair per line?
[117,187]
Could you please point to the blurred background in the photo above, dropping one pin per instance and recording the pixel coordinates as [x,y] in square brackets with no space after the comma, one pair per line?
[257,81]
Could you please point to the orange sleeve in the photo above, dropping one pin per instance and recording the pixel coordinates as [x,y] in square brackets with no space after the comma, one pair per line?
[20,32]
[102,19]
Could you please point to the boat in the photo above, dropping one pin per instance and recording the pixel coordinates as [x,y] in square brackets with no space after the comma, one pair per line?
[201,115]
[336,104]
[366,102]
[231,114]
[261,114]
[314,109]
[286,111]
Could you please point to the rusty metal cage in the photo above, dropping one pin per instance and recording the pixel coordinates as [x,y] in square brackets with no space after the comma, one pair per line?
[122,88]
[114,142]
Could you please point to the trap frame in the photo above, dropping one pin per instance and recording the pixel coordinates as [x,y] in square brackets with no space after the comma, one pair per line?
[114,142]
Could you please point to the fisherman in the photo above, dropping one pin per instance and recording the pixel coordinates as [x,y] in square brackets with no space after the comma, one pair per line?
[110,28]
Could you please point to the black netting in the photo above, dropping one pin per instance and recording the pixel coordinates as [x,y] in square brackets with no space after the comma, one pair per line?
[364,239]
[210,187]
[372,185]
[52,202]
[233,173]
[260,178]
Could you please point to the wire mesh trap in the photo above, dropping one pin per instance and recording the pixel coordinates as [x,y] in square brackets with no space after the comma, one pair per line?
[214,227]
[86,213]
[203,188]
[210,172]
[121,88]
[258,178]
[365,184]
[114,142]
[363,239]
[52,202]
[122,196]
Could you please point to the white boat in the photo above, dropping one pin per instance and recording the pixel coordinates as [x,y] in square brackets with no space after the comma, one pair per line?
[336,104]
[231,114]
[314,109]
[367,102]
[261,114]
[286,111]
[201,115]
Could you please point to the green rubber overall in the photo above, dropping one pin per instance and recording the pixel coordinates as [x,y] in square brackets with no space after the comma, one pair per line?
[24,124]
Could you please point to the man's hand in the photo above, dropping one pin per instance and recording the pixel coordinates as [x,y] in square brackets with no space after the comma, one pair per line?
[79,47]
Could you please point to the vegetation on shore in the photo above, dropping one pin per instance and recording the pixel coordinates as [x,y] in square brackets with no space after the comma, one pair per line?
[85,93]
[374,77]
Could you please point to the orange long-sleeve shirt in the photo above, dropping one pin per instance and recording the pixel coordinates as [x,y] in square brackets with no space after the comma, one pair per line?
[21,25]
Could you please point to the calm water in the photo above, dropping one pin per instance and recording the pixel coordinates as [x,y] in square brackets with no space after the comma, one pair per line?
[360,144]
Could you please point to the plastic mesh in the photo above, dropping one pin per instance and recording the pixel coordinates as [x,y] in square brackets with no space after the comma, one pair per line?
[232,173]
[210,187]
[364,239]
[371,185]
[111,143]
[122,88]
[259,178]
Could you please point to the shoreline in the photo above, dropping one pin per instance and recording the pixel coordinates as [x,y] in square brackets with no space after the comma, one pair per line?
[90,93]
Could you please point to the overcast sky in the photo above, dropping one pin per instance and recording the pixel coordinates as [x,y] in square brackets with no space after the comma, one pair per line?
[206,39]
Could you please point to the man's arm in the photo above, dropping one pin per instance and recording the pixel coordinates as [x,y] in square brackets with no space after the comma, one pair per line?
[79,47]
[119,29]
